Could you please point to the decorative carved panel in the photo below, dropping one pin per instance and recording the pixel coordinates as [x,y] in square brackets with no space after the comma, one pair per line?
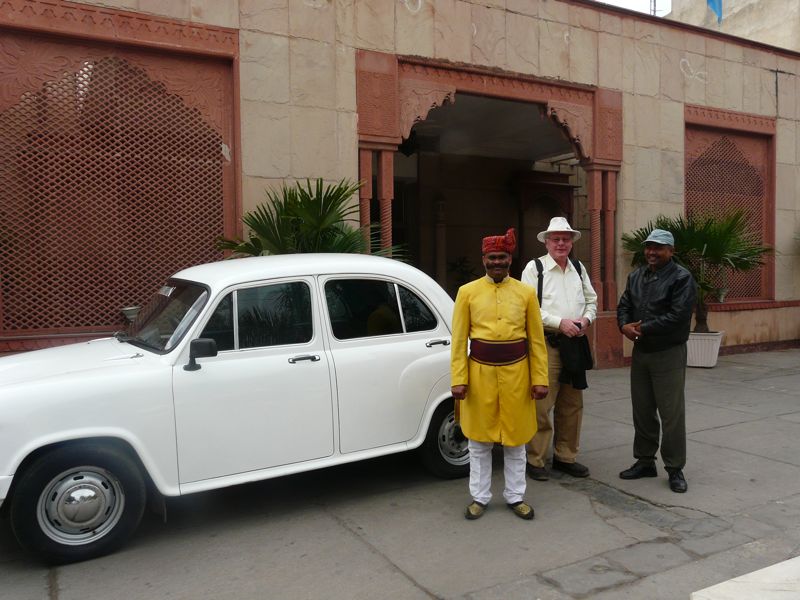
[576,119]
[377,96]
[99,23]
[728,119]
[417,98]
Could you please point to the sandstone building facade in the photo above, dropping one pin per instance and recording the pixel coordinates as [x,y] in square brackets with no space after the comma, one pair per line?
[135,132]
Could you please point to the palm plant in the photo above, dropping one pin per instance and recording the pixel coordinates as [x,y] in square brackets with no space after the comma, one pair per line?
[307,217]
[709,247]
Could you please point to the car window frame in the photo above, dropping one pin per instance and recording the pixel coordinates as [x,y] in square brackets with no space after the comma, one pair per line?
[325,278]
[310,282]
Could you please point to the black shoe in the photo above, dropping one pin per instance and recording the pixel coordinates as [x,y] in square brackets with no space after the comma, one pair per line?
[575,469]
[537,473]
[639,469]
[677,482]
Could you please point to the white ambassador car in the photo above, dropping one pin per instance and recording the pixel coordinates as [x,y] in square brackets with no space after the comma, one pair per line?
[236,371]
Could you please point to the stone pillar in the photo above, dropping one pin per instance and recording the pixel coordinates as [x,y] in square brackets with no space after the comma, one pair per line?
[365,192]
[609,239]
[386,194]
[594,179]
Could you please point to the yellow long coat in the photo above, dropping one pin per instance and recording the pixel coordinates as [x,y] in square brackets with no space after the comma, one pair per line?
[498,406]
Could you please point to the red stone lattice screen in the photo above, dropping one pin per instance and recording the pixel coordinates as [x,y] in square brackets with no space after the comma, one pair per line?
[109,182]
[728,171]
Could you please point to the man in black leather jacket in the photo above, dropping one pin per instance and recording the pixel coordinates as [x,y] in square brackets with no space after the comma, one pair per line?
[655,313]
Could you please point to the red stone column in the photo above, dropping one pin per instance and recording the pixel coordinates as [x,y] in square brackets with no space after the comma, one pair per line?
[365,192]
[386,194]
[595,190]
[609,239]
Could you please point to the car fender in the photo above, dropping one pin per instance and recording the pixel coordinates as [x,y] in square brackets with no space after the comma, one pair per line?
[152,469]
[439,393]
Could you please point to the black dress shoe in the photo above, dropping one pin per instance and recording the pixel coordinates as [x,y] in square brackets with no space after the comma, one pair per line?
[575,469]
[638,470]
[538,473]
[677,483]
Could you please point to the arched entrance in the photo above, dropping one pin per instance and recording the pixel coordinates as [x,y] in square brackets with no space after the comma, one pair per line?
[395,93]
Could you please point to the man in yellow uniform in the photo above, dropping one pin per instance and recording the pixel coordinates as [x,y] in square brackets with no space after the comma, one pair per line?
[505,372]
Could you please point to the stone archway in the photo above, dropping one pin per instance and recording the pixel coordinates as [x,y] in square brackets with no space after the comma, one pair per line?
[393,93]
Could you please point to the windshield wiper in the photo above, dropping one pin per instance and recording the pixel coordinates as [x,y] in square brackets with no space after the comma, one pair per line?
[136,341]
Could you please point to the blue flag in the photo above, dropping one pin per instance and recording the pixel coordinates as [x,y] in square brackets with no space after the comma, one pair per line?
[716,6]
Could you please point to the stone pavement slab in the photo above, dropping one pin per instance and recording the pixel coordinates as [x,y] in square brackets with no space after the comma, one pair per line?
[385,528]
[777,582]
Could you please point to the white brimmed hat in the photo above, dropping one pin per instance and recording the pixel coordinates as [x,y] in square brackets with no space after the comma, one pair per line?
[559,224]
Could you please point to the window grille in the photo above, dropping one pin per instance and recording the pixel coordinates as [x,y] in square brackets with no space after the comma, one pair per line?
[728,171]
[108,184]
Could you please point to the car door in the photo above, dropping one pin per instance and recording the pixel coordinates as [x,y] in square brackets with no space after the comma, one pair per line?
[265,400]
[389,348]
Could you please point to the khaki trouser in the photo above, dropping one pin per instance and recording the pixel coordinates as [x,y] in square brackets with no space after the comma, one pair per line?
[567,405]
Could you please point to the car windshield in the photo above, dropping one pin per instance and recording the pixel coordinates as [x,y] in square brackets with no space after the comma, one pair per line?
[163,321]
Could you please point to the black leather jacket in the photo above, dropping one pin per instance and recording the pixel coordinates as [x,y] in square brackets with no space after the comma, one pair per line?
[663,301]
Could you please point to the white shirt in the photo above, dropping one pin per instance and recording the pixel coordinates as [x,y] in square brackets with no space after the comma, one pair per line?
[565,294]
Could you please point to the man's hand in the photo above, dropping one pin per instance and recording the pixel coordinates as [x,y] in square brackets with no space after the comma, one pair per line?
[459,392]
[584,326]
[568,328]
[538,391]
[632,331]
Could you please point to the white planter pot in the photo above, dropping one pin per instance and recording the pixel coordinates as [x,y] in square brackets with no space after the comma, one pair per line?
[703,349]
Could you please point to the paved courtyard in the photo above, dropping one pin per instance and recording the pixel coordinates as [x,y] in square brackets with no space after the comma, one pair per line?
[386,529]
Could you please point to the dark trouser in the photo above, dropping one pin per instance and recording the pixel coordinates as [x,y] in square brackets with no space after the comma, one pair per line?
[657,390]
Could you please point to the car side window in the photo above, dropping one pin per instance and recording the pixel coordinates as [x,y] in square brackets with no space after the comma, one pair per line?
[274,315]
[220,326]
[416,314]
[362,308]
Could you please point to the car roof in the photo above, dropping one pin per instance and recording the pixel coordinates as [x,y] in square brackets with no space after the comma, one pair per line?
[224,273]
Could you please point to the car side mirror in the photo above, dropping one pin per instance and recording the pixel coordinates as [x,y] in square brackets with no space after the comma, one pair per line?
[200,348]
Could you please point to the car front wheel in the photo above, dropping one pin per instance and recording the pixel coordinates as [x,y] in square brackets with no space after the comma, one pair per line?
[444,451]
[77,502]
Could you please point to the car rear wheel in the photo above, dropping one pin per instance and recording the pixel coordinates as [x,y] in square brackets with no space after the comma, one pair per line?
[77,502]
[444,451]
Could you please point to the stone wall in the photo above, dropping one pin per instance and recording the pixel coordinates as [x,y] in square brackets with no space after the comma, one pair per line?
[298,105]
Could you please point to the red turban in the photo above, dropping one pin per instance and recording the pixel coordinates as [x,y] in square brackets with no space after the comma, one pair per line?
[500,243]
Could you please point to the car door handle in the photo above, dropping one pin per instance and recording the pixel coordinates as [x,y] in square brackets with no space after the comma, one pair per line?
[311,357]
[433,343]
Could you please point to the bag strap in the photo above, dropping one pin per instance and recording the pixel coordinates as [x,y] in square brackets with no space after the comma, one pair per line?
[540,274]
[540,277]
[577,264]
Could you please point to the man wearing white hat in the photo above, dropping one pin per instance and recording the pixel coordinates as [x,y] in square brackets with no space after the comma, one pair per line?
[568,305]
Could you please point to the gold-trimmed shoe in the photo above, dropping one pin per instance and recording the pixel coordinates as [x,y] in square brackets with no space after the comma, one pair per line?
[474,511]
[522,510]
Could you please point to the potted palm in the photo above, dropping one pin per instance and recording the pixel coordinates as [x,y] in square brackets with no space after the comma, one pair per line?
[710,247]
[307,217]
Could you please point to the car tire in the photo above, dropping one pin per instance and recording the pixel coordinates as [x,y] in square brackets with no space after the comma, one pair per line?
[77,502]
[444,451]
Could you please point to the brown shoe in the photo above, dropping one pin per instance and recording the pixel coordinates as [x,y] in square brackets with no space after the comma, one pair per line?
[522,510]
[474,511]
[575,469]
[537,473]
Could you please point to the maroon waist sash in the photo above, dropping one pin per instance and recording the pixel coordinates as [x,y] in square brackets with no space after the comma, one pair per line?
[498,353]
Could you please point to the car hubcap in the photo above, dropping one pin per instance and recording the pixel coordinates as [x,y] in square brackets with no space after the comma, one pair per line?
[80,505]
[452,443]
